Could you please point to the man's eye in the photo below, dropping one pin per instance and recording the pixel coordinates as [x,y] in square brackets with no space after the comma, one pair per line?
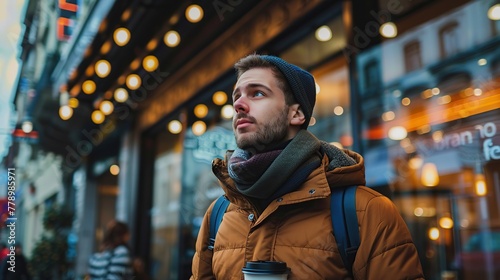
[258,93]
[235,97]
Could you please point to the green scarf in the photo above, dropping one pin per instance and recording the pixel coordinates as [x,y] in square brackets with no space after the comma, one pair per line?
[261,175]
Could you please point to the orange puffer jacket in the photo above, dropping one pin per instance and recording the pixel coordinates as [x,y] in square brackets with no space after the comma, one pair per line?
[297,229]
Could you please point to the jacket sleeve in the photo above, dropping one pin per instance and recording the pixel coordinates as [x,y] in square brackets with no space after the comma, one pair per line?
[386,250]
[202,260]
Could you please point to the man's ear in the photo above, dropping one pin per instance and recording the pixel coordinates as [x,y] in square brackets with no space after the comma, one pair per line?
[297,115]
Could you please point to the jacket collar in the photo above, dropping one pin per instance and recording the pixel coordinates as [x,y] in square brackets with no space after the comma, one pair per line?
[318,184]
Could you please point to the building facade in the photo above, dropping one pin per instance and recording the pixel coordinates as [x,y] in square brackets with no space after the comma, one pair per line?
[411,85]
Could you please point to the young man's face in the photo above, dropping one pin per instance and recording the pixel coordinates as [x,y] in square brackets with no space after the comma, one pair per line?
[262,117]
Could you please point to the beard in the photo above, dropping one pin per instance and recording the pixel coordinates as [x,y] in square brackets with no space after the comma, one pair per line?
[267,135]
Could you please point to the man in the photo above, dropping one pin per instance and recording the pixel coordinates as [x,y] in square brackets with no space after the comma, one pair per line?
[279,182]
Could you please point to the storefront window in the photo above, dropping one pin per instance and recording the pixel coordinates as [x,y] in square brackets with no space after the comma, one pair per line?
[320,52]
[199,152]
[331,113]
[431,135]
[200,187]
[166,207]
[321,42]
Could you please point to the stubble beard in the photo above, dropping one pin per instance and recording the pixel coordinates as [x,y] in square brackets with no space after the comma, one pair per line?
[267,135]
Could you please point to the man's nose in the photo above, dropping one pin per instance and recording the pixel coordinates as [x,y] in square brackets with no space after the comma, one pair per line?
[240,105]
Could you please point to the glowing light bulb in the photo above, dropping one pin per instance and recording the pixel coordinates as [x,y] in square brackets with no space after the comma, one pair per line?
[388,30]
[27,126]
[97,117]
[194,13]
[121,36]
[446,222]
[150,63]
[133,81]
[121,95]
[201,110]
[199,127]
[430,176]
[434,233]
[480,185]
[219,98]
[102,68]
[397,133]
[172,38]
[106,107]
[65,112]
[323,33]
[494,12]
[175,127]
[227,111]
[114,169]
[88,87]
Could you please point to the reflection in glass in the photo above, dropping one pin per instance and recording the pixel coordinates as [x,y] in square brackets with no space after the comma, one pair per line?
[445,69]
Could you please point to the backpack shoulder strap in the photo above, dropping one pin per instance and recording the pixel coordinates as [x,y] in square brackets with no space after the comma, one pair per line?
[345,223]
[218,211]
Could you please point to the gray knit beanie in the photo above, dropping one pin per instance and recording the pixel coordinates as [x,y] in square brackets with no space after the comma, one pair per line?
[301,83]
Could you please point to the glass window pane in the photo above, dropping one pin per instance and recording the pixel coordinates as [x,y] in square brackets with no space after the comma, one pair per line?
[332,110]
[431,134]
[165,208]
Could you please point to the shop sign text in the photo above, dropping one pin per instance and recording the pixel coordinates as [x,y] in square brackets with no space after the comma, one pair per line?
[485,132]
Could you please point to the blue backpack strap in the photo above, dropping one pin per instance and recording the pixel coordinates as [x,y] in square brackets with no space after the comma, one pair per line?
[218,211]
[345,223]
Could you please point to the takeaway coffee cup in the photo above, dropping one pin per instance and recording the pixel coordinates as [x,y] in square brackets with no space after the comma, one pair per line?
[265,270]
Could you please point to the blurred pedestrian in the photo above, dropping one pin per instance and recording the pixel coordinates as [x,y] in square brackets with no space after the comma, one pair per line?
[113,261]
[15,267]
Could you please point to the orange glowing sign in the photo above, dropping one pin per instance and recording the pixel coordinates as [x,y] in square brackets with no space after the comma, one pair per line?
[65,23]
